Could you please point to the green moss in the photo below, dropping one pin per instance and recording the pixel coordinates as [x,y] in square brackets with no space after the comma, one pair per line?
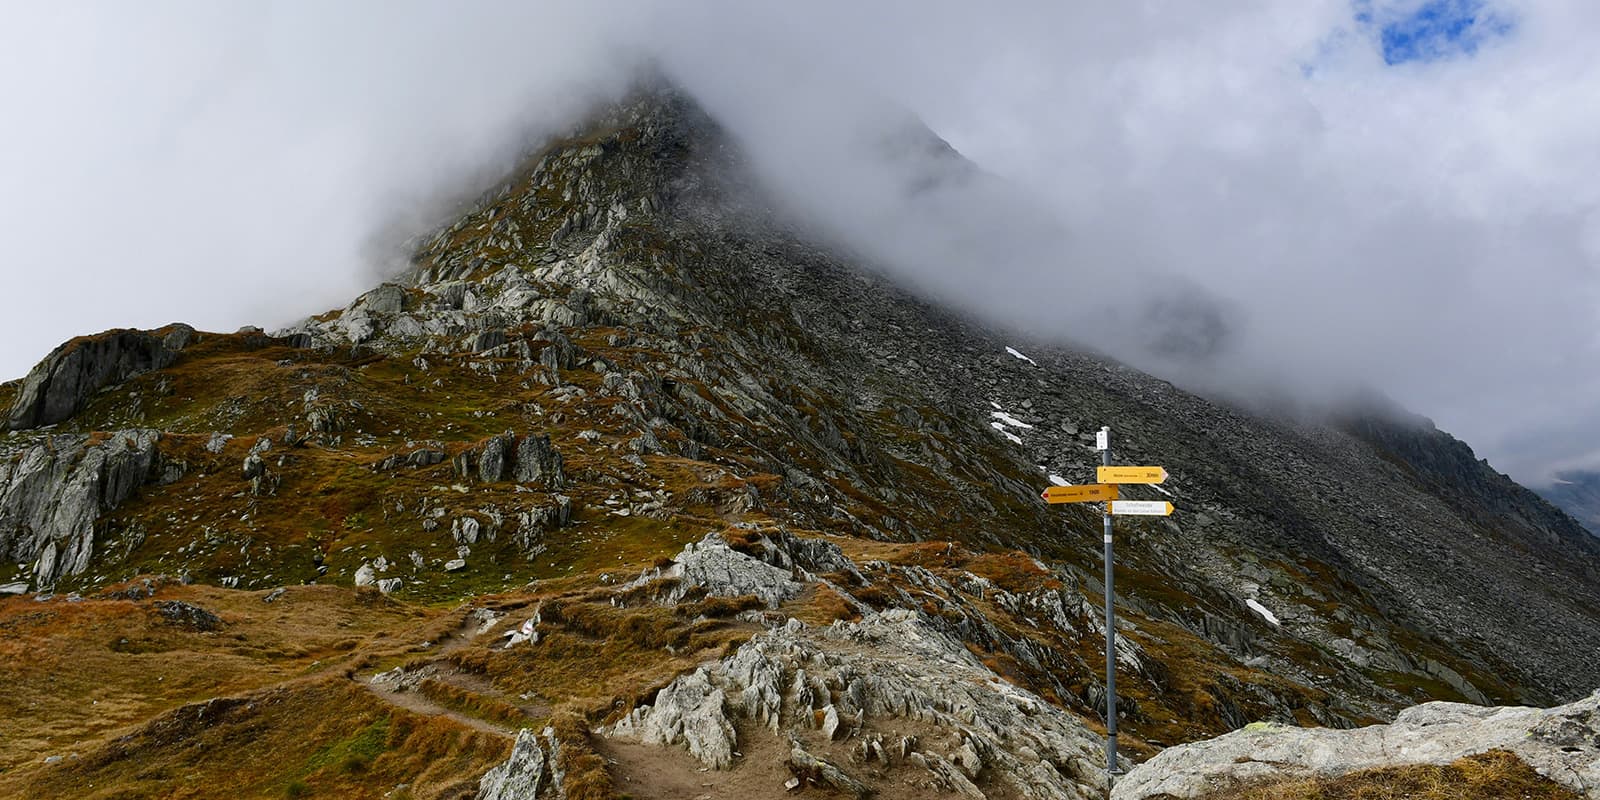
[352,754]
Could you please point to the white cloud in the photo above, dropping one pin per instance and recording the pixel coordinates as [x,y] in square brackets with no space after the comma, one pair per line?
[1430,227]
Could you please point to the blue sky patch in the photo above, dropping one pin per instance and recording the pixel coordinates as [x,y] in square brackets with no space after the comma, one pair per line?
[1434,30]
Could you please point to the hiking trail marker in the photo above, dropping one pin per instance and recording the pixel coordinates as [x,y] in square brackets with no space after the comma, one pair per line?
[1089,493]
[1140,508]
[1130,474]
[1104,489]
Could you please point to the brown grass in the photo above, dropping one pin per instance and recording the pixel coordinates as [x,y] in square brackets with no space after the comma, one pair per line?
[472,703]
[316,738]
[586,775]
[823,606]
[1495,774]
[598,659]
[77,671]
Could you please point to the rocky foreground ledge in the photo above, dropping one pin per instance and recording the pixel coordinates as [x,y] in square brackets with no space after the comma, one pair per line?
[1561,743]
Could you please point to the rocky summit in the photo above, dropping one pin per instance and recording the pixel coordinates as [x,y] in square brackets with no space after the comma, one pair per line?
[631,486]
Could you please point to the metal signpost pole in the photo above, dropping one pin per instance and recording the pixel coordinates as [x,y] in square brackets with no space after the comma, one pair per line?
[1107,479]
[1111,624]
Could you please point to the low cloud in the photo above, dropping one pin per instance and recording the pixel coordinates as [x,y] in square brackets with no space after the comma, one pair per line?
[1412,211]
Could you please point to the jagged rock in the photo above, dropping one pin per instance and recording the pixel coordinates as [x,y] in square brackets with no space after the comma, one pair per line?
[1561,743]
[64,381]
[455,565]
[529,774]
[830,721]
[366,575]
[186,615]
[712,565]
[14,587]
[464,530]
[52,495]
[534,521]
[691,712]
[390,585]
[946,776]
[388,298]
[538,462]
[888,666]
[495,460]
[821,772]
[488,340]
[365,318]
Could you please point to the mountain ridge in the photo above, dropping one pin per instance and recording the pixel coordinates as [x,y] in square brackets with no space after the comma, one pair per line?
[623,350]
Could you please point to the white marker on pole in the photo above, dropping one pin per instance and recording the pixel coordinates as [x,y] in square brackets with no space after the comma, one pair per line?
[1141,508]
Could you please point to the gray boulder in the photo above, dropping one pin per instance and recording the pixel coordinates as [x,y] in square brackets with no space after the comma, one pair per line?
[63,382]
[530,773]
[538,462]
[1561,743]
[495,462]
[712,565]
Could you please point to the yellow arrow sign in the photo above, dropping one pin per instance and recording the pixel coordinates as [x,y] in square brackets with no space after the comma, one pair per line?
[1131,474]
[1141,508]
[1088,493]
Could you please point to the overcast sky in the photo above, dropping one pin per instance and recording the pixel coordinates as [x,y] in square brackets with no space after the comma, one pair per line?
[1395,193]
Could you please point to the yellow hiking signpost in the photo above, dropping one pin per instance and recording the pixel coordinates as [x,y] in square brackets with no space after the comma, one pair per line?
[1090,493]
[1107,478]
[1131,474]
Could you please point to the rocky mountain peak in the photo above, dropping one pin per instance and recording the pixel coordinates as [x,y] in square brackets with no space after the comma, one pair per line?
[627,460]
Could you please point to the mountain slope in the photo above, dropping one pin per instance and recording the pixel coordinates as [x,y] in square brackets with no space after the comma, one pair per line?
[623,363]
[1578,494]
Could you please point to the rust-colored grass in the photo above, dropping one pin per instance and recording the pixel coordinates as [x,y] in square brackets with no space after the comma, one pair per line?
[471,703]
[598,659]
[323,737]
[586,775]
[76,671]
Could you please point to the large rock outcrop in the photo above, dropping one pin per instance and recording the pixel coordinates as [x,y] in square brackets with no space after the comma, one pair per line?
[53,492]
[888,689]
[1561,743]
[64,381]
[711,565]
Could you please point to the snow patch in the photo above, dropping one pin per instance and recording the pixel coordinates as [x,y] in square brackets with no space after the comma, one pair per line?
[1008,419]
[1058,480]
[1013,351]
[1262,610]
[1015,439]
[1157,487]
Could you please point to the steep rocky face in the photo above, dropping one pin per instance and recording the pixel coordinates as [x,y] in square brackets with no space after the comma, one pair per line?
[718,455]
[54,491]
[61,384]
